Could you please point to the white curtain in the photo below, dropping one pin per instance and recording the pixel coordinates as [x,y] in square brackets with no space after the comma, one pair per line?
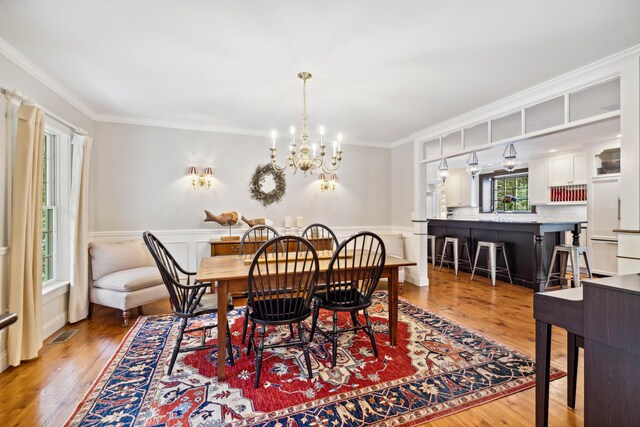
[79,227]
[25,271]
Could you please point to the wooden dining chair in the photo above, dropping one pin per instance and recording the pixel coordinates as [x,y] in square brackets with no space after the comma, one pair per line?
[321,237]
[189,299]
[251,241]
[281,287]
[351,279]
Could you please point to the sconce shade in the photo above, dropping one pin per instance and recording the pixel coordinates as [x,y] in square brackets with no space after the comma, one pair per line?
[322,177]
[207,171]
[334,177]
[192,171]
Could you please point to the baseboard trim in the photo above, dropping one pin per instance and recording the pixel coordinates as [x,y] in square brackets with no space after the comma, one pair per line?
[415,279]
[54,324]
[4,361]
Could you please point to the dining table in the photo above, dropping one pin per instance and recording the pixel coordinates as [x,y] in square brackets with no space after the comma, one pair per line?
[230,274]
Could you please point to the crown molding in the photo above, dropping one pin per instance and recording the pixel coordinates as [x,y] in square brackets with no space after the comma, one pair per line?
[601,69]
[204,127]
[21,61]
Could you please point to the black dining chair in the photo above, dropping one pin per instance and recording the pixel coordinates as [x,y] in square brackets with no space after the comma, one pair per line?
[251,241]
[281,287]
[188,299]
[352,276]
[321,237]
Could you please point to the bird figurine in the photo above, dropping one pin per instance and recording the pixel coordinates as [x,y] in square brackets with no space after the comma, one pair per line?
[225,218]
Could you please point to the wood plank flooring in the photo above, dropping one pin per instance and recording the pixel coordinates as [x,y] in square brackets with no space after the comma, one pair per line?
[45,391]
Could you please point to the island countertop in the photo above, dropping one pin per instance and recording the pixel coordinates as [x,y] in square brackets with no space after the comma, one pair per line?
[529,244]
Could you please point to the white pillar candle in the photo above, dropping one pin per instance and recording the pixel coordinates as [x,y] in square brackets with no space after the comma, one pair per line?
[299,222]
[287,222]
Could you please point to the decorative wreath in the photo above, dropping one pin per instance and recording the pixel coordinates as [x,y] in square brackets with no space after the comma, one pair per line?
[257,181]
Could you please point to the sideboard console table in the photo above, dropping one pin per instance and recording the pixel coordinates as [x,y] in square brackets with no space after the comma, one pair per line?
[606,313]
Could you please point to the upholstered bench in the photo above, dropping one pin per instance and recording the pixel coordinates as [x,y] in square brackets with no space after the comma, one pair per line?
[123,276]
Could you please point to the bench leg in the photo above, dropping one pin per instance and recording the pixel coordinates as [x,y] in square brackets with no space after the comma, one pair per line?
[125,317]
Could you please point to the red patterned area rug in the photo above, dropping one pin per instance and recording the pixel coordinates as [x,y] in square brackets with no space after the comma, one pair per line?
[437,369]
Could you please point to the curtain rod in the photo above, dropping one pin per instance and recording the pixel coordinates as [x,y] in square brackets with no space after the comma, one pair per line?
[30,101]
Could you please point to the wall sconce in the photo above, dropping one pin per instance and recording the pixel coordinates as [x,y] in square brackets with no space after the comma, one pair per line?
[200,180]
[328,184]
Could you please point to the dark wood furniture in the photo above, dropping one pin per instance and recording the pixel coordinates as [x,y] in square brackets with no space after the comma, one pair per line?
[612,351]
[349,285]
[561,308]
[321,237]
[7,319]
[606,312]
[189,299]
[529,243]
[280,293]
[231,273]
[221,248]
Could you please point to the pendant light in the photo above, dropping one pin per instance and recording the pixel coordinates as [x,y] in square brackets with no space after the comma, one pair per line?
[474,166]
[510,161]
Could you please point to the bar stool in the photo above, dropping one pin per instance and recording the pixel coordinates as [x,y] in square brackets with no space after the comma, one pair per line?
[431,241]
[492,248]
[457,243]
[569,253]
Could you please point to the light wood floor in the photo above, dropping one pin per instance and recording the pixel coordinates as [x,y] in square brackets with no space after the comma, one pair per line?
[45,391]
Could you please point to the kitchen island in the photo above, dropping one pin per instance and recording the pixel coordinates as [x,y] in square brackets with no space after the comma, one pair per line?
[529,244]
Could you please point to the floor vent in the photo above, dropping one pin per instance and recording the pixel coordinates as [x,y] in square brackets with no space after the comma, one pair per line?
[64,336]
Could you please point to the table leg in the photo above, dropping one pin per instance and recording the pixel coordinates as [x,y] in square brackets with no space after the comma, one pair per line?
[222,328]
[540,278]
[576,234]
[543,355]
[393,307]
[572,369]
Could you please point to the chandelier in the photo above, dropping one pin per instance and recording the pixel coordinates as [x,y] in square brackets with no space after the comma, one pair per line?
[307,159]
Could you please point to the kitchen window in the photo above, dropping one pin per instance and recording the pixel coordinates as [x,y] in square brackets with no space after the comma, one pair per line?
[49,208]
[510,193]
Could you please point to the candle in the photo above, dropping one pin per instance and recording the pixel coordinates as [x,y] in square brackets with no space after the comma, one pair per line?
[287,222]
[299,222]
[339,140]
[273,139]
[321,134]
[313,147]
[335,145]
[292,131]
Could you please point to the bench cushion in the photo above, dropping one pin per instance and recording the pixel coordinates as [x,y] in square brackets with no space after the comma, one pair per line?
[130,280]
[393,244]
[109,257]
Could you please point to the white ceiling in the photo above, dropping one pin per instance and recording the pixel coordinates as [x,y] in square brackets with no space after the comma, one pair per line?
[382,69]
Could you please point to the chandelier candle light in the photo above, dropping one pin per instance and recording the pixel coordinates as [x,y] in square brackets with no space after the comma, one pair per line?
[307,160]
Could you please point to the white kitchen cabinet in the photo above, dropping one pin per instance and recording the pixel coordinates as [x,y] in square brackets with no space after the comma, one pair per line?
[603,217]
[462,190]
[538,189]
[567,170]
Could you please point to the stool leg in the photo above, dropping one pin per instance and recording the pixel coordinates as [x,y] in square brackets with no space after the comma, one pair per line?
[506,263]
[587,264]
[473,270]
[466,246]
[444,249]
[564,259]
[492,264]
[456,250]
[433,252]
[575,268]
[572,369]
[553,264]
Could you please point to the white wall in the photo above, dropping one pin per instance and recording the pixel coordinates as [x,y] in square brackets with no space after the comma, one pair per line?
[402,183]
[14,78]
[140,182]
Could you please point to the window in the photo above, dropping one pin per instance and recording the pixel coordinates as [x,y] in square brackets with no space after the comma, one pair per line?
[56,186]
[49,208]
[510,193]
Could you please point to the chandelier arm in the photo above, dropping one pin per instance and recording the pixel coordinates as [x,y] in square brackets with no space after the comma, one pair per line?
[329,169]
